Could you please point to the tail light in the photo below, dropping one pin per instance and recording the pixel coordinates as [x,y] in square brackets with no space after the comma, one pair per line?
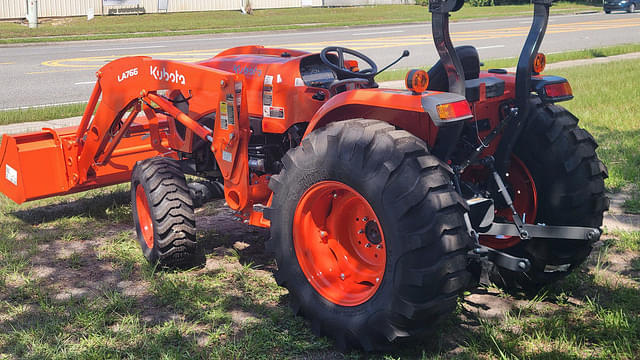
[454,110]
[559,90]
[551,88]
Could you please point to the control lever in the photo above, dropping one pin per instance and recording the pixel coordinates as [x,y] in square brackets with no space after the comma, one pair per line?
[405,53]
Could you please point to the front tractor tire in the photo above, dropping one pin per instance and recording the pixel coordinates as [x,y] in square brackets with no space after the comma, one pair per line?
[368,234]
[163,214]
[569,180]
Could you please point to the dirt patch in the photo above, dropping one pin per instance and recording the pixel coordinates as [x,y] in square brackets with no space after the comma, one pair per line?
[222,235]
[55,21]
[239,316]
[616,218]
[72,269]
[488,304]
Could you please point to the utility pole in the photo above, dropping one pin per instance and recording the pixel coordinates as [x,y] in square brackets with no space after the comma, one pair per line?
[32,13]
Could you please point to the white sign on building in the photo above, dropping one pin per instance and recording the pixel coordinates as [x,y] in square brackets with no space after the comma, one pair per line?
[120,2]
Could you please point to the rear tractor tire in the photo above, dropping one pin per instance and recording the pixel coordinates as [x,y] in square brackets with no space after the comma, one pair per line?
[569,181]
[368,234]
[163,214]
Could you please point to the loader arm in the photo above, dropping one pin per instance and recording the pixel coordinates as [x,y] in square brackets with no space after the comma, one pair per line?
[130,124]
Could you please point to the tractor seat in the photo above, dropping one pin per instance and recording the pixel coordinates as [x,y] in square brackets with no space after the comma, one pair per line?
[468,56]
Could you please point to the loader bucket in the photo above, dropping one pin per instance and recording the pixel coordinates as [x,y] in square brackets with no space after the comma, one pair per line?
[32,165]
[41,164]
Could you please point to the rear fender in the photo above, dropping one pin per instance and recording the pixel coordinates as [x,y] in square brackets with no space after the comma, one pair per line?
[415,113]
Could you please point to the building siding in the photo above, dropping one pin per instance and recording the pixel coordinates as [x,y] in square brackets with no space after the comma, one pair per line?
[16,9]
[12,9]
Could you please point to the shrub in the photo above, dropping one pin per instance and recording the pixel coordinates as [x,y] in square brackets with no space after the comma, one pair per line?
[481,3]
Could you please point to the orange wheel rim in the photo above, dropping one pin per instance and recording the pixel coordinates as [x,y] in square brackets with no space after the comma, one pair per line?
[144,216]
[339,243]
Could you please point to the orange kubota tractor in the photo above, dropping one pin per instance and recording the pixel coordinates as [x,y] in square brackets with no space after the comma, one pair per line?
[382,204]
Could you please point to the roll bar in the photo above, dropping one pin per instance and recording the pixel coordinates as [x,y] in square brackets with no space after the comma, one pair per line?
[524,71]
[440,10]
[528,53]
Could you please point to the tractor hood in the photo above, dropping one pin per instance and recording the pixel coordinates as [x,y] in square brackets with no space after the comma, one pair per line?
[258,66]
[280,84]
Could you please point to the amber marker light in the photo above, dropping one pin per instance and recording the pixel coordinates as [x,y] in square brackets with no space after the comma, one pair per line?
[539,62]
[454,110]
[417,80]
[352,65]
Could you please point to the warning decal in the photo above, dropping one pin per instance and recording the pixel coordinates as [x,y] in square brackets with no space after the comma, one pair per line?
[273,112]
[11,174]
[230,115]
[224,118]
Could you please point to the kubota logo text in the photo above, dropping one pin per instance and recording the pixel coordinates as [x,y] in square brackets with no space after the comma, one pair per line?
[162,74]
[127,74]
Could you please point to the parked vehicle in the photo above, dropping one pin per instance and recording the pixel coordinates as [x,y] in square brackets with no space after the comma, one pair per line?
[382,204]
[625,5]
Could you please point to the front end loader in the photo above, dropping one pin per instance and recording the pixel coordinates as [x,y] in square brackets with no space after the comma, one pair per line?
[383,205]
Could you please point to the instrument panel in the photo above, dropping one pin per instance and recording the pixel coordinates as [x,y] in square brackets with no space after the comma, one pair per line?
[315,73]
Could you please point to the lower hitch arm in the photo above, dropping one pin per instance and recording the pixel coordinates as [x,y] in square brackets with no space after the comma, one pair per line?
[527,231]
[481,253]
[499,258]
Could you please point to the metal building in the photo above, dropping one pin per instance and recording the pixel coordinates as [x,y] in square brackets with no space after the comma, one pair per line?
[16,9]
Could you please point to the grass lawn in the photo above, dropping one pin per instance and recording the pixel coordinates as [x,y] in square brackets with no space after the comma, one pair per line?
[41,113]
[112,27]
[74,285]
[606,106]
[568,55]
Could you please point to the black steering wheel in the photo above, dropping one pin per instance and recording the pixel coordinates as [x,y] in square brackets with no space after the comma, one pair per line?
[341,70]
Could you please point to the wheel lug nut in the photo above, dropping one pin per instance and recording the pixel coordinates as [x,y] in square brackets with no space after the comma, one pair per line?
[360,231]
[335,195]
[342,276]
[379,246]
[365,219]
[367,245]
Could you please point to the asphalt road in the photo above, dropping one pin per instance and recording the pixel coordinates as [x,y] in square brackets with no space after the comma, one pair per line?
[57,73]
